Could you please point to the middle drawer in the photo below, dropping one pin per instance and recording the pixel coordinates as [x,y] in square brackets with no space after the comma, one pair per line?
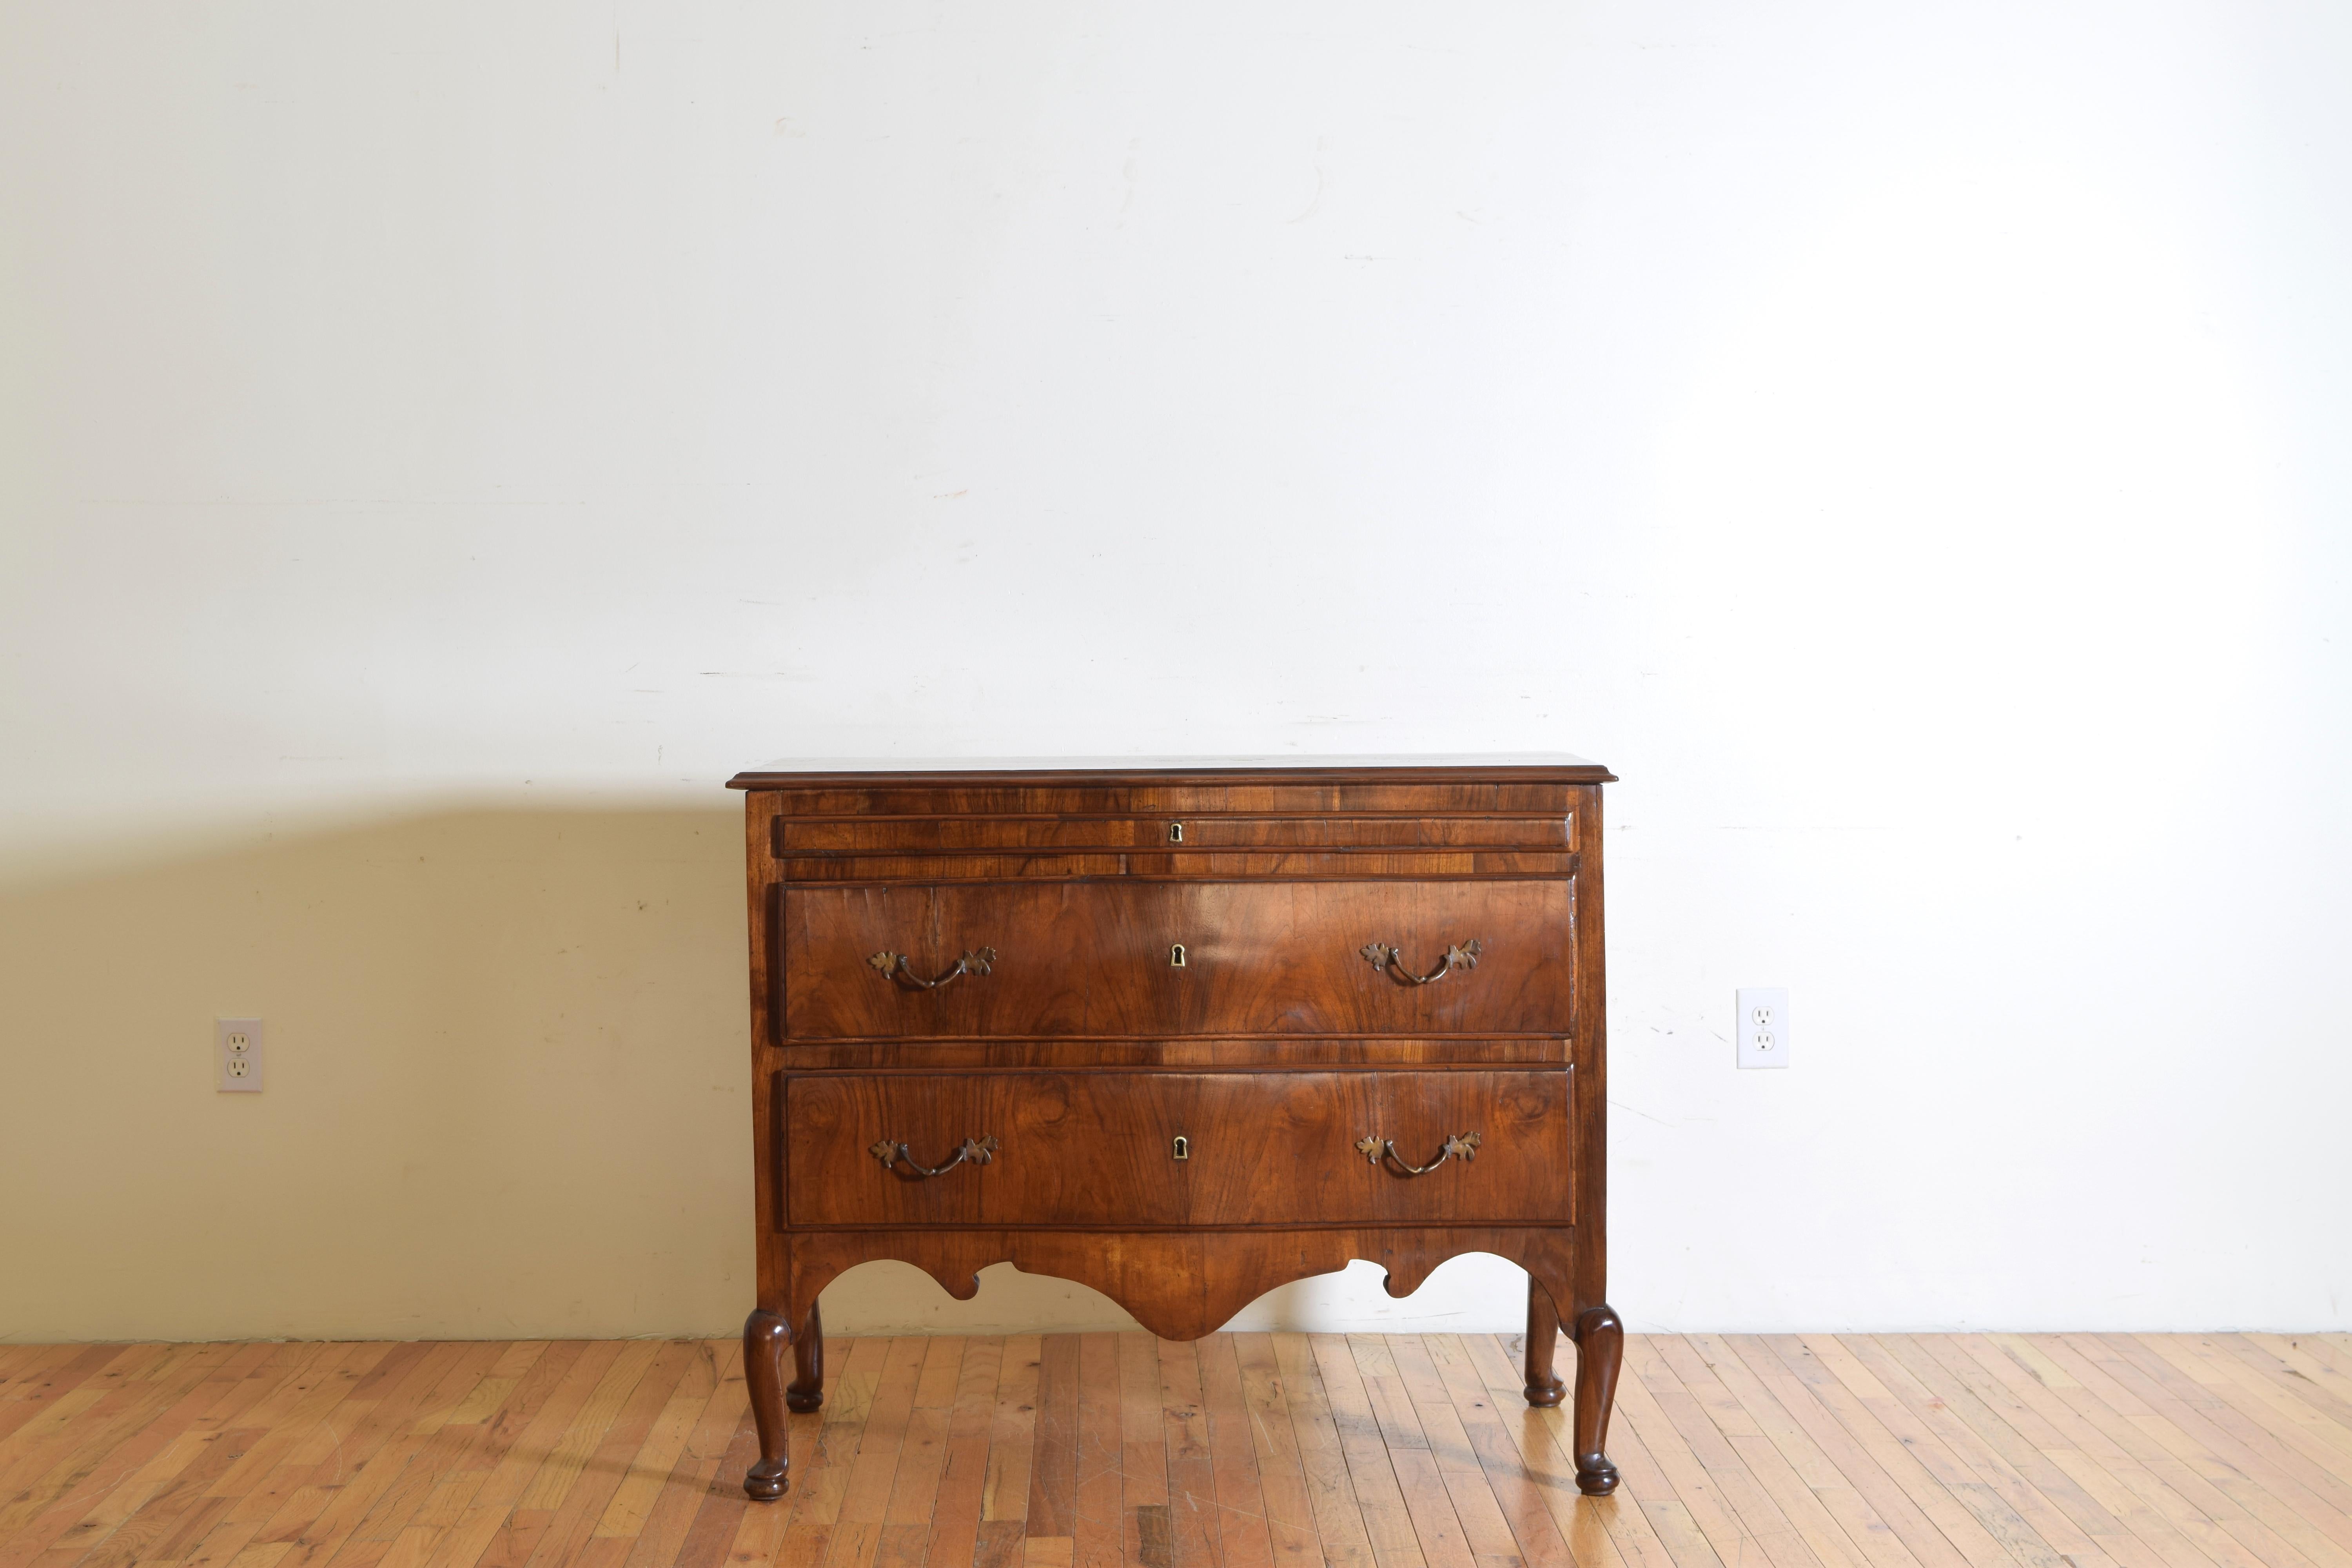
[1225,958]
[1102,1149]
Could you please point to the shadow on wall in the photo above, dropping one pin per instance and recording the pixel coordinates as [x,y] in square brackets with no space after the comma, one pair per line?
[505,1096]
[504,1085]
[505,1092]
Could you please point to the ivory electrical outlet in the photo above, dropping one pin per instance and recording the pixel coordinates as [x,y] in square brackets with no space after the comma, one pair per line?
[1763,1032]
[236,1048]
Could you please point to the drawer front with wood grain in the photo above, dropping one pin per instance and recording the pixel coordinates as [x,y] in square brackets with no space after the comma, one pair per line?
[835,1175]
[1179,865]
[1490,1146]
[998,960]
[1258,1149]
[1112,1149]
[934,834]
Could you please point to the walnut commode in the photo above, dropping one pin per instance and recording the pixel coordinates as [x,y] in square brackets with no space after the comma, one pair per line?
[1183,1033]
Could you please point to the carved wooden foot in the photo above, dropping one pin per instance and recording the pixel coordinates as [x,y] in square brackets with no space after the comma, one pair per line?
[1599,1346]
[807,1391]
[765,1335]
[1544,1390]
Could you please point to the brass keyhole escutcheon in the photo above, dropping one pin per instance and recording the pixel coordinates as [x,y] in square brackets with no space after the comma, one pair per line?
[1175,833]
[1182,1149]
[1176,956]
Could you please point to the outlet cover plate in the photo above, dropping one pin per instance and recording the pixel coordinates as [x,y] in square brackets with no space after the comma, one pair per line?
[237,1055]
[1763,1027]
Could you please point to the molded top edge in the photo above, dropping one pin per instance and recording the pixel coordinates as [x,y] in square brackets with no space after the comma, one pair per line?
[1521,766]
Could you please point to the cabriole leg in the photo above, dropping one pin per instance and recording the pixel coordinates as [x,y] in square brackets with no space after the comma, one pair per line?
[1599,1346]
[1544,1389]
[765,1335]
[806,1392]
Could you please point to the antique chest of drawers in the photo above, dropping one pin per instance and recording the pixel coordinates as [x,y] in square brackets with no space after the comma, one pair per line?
[1182,1032]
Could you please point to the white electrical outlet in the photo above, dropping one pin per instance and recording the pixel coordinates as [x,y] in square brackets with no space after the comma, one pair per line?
[1763,1032]
[236,1046]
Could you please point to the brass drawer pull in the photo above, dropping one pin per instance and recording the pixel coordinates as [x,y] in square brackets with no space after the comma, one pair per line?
[979,1150]
[1389,962]
[894,966]
[1465,1144]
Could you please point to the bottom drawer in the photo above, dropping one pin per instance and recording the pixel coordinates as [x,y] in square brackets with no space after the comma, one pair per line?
[1179,1149]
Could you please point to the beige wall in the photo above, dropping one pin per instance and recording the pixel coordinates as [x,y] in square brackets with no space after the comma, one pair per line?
[507,1092]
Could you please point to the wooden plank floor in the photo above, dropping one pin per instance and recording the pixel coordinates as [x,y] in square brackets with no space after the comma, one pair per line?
[1241,1451]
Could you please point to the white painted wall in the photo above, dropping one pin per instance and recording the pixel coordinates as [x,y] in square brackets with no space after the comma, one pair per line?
[1906,440]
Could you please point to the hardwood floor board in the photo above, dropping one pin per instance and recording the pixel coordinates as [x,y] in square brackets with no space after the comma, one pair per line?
[1516,1490]
[552,1482]
[853,1543]
[922,1457]
[78,1486]
[397,1480]
[999,1543]
[2009,1509]
[854,1374]
[2298,1376]
[1323,1463]
[824,1448]
[2232,1385]
[1862,1462]
[1244,1538]
[503,1378]
[963,1476]
[1054,1468]
[697,1475]
[1005,1495]
[761,1531]
[2120,1466]
[1143,1455]
[650,1466]
[1282,1479]
[277,1466]
[183,1456]
[2120,1461]
[1740,1519]
[42,1383]
[899,1545]
[262,1556]
[1234,1451]
[2199,1493]
[2217,1477]
[1703,1537]
[1388,1522]
[876,1470]
[68,1457]
[1193,1540]
[1605,1530]
[164,1522]
[2297,1357]
[936,1387]
[601,1473]
[1739,1446]
[519,1441]
[1921,1468]
[1101,1453]
[1988,1429]
[719,1506]
[2156,1410]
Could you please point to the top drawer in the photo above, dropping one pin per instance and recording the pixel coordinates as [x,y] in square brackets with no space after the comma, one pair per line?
[1196,847]
[918,835]
[1063,959]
